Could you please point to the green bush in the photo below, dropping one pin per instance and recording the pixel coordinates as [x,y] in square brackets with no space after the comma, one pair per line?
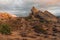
[5,29]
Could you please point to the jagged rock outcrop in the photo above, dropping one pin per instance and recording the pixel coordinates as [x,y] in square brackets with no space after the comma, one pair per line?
[50,16]
[34,10]
[45,15]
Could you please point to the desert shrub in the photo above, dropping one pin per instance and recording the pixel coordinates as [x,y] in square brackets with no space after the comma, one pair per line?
[39,29]
[5,29]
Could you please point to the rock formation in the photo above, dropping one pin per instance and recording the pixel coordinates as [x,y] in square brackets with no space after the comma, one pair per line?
[37,26]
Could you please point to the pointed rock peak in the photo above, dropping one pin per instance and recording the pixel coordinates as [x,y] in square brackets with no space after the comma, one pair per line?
[46,11]
[34,10]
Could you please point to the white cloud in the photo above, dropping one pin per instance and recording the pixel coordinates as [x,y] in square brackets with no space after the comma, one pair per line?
[24,6]
[5,1]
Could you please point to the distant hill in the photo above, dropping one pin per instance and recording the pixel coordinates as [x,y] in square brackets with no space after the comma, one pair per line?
[5,15]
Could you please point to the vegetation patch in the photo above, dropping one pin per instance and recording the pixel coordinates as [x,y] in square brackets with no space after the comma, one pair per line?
[5,29]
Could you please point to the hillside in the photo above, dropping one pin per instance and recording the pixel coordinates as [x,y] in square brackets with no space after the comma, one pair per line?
[37,26]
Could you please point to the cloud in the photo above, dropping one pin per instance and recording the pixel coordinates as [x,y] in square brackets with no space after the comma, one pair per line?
[23,7]
[54,10]
[5,1]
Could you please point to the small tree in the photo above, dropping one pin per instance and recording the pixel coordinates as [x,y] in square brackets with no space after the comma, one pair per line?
[5,29]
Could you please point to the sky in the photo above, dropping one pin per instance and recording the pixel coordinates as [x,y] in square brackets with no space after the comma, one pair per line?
[23,7]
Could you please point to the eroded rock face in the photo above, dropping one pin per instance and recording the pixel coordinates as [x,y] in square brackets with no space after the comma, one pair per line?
[50,16]
[45,15]
[34,10]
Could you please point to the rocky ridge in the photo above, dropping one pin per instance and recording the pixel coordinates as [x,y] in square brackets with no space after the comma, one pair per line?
[37,26]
